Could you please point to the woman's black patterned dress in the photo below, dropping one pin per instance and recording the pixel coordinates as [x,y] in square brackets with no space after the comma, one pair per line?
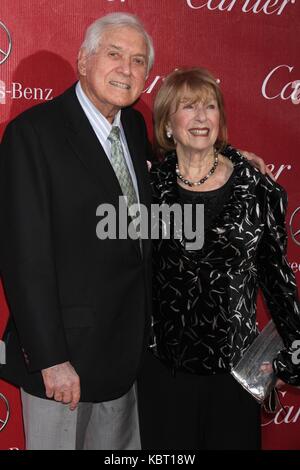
[204,309]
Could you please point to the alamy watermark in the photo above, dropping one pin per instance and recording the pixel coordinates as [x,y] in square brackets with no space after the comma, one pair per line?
[296,352]
[184,222]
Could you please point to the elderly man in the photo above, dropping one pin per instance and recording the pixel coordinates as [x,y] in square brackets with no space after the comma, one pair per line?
[79,305]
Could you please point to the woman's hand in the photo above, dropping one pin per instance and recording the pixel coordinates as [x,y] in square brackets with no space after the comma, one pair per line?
[257,162]
[268,369]
[280,384]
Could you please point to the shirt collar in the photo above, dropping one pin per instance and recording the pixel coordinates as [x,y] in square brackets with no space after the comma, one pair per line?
[90,109]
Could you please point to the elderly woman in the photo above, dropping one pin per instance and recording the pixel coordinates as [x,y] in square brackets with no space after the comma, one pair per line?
[204,315]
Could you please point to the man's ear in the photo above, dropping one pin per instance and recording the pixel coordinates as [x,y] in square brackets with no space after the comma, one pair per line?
[81,61]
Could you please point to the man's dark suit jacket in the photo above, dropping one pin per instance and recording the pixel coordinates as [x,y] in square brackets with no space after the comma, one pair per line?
[72,297]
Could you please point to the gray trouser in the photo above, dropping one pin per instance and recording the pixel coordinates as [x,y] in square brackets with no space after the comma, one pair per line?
[110,425]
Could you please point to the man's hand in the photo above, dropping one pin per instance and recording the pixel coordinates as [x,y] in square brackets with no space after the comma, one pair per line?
[257,162]
[62,383]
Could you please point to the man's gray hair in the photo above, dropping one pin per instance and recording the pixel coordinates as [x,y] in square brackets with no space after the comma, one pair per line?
[95,31]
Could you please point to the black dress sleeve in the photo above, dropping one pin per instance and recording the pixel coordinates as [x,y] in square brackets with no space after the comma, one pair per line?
[278,284]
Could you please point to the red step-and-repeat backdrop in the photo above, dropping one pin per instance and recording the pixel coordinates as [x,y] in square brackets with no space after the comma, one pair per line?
[252,46]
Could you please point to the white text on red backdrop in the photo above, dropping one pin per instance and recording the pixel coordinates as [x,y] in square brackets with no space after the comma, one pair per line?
[267,7]
[289,416]
[289,90]
[17,91]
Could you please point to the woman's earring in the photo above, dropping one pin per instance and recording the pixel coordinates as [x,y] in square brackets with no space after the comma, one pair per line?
[169,133]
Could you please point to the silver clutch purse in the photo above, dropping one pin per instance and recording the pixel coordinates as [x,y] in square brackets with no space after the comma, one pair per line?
[252,371]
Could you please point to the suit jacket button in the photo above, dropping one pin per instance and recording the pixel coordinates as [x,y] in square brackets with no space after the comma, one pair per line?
[25,356]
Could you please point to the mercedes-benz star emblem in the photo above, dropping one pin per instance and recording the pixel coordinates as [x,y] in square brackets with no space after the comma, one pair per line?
[4,411]
[5,43]
[295,226]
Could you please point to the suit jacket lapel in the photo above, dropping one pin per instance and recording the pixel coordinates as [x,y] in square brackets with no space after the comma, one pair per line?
[87,148]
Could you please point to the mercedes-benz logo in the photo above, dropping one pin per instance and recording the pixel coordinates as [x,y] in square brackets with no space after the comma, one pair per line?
[5,43]
[4,411]
[295,226]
